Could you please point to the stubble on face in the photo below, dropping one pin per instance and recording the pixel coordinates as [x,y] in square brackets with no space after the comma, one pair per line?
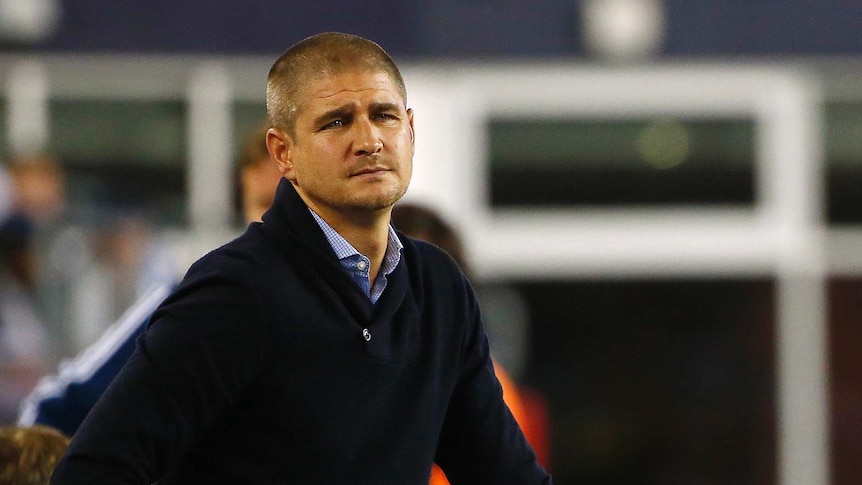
[381,197]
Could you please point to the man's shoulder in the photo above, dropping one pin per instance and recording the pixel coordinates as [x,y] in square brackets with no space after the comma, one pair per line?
[426,254]
[240,254]
[251,261]
[433,265]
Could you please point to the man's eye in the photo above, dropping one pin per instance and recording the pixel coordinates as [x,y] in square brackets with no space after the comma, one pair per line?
[334,124]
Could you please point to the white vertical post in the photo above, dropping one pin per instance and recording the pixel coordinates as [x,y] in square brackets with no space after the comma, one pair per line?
[803,437]
[27,115]
[210,138]
[793,204]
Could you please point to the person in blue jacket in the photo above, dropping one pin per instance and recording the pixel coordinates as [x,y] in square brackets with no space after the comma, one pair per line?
[321,345]
[63,400]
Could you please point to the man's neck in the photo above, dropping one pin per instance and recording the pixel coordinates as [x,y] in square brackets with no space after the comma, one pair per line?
[370,239]
[367,231]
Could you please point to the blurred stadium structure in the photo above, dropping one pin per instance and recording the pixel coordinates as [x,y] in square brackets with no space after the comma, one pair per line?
[699,166]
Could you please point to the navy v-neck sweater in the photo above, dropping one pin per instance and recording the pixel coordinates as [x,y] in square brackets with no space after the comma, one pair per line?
[269,365]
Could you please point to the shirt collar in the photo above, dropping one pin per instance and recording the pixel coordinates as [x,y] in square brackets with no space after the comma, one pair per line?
[343,249]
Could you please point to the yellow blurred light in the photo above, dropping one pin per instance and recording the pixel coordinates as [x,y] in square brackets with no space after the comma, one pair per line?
[664,144]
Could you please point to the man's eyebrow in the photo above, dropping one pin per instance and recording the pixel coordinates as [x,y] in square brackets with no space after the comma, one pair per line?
[338,112]
[384,106]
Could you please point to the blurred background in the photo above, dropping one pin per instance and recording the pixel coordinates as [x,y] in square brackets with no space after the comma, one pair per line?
[660,201]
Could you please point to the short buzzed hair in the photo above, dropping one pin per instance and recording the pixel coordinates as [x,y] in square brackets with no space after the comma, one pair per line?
[318,56]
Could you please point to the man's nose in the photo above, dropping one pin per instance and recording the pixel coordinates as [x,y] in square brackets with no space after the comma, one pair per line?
[368,140]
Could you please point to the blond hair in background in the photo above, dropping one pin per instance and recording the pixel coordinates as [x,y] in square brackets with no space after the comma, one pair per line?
[29,454]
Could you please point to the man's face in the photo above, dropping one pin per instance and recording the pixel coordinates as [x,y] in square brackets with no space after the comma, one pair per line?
[352,150]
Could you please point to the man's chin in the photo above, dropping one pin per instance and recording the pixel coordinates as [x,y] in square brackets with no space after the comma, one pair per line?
[379,201]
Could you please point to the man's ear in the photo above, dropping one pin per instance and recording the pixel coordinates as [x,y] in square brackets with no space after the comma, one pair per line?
[410,122]
[412,131]
[278,144]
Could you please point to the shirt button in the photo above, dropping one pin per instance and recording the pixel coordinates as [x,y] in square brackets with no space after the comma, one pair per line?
[366,334]
[361,265]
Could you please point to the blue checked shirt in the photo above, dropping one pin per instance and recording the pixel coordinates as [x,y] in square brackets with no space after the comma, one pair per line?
[357,265]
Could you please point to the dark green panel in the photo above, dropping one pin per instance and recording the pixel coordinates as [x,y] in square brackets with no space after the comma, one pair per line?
[623,143]
[843,145]
[843,134]
[662,161]
[246,117]
[140,132]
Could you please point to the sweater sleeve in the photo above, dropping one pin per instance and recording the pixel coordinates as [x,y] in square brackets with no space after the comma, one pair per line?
[481,442]
[201,350]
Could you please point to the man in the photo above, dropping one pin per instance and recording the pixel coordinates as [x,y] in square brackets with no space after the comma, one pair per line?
[320,346]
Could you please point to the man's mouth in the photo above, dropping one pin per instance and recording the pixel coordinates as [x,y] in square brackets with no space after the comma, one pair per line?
[370,170]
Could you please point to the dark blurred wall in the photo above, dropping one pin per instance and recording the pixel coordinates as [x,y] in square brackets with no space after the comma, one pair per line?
[449,28]
[764,27]
[229,27]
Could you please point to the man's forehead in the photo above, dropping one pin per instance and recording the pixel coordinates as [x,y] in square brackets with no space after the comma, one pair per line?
[352,83]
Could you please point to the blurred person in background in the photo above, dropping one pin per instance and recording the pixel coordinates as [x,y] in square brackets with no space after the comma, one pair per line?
[64,399]
[252,371]
[28,454]
[421,222]
[23,338]
[258,175]
[36,187]
[119,259]
[33,196]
